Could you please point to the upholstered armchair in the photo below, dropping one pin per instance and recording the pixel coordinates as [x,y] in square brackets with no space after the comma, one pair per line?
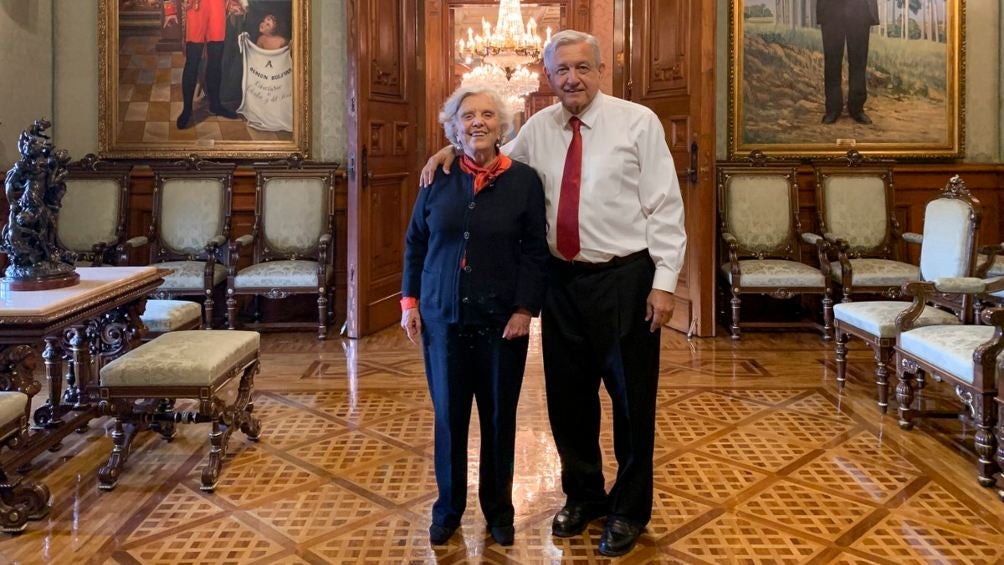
[92,220]
[292,240]
[964,356]
[951,222]
[190,228]
[855,206]
[761,236]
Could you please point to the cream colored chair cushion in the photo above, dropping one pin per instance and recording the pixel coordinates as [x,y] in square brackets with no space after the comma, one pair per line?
[169,315]
[294,210]
[879,317]
[947,248]
[185,358]
[949,348]
[777,273]
[276,274]
[759,210]
[191,214]
[856,209]
[89,214]
[188,274]
[12,405]
[877,272]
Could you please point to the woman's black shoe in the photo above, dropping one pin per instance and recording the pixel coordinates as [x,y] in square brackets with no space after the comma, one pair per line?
[439,535]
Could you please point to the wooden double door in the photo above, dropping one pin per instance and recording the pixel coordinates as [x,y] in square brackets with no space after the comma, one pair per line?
[664,59]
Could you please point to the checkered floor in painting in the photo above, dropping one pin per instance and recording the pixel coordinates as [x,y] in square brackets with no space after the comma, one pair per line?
[748,470]
[150,101]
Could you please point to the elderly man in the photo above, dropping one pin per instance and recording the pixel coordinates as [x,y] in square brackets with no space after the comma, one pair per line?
[846,23]
[617,243]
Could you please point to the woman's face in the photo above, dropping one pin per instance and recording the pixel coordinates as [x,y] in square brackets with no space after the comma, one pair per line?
[478,124]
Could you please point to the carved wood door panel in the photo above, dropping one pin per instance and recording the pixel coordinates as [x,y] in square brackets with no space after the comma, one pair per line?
[670,69]
[383,101]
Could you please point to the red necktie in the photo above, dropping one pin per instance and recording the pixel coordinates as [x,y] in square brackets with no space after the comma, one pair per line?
[567,236]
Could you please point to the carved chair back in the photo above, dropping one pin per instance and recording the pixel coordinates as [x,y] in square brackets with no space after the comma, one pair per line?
[759,206]
[855,205]
[294,207]
[191,207]
[92,220]
[951,223]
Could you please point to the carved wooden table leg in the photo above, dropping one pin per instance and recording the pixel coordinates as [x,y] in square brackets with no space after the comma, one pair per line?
[841,340]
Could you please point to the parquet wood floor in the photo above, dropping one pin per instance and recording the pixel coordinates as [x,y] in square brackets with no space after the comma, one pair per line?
[758,460]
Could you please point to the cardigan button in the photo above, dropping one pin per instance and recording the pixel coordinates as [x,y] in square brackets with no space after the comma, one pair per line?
[467,269]
[467,235]
[465,300]
[470,206]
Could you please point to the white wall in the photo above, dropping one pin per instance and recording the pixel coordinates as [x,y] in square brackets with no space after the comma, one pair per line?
[25,70]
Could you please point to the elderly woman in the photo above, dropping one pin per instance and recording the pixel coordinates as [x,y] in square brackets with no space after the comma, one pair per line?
[473,276]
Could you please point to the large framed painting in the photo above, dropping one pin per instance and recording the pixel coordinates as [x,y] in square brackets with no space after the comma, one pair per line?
[820,77]
[221,78]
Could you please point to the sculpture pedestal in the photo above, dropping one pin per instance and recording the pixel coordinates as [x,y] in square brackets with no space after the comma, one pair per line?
[45,283]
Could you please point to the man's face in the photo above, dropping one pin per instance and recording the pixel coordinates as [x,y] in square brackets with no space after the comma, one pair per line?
[574,76]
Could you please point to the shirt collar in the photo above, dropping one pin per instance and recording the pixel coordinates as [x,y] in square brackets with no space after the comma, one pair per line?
[588,117]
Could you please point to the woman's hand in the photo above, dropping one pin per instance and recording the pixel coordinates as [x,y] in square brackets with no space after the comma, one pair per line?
[518,326]
[444,157]
[411,323]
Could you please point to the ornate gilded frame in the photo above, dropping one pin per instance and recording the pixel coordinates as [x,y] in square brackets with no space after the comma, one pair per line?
[951,147]
[109,108]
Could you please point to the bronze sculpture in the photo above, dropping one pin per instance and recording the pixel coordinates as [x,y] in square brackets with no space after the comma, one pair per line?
[34,187]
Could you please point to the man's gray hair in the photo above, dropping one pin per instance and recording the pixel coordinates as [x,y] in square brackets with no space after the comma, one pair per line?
[447,116]
[570,37]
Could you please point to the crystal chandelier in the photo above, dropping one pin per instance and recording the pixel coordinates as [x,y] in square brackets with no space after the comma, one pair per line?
[504,53]
[509,45]
[513,86]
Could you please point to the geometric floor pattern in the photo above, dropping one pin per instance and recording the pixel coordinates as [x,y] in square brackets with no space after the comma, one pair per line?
[758,460]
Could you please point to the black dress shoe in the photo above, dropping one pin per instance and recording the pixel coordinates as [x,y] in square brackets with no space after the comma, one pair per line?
[503,535]
[619,537]
[439,535]
[861,118]
[573,519]
[830,117]
[182,121]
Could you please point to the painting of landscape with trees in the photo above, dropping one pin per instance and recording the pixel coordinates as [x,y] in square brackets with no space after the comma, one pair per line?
[911,75]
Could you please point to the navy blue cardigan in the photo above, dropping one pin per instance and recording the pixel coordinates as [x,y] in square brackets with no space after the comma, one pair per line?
[503,231]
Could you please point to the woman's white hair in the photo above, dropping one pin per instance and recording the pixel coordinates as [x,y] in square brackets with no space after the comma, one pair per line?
[570,37]
[448,115]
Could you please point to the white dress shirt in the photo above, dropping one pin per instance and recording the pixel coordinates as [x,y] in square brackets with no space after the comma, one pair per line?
[629,194]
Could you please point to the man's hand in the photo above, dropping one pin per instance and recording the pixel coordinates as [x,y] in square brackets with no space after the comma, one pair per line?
[411,323]
[444,157]
[658,308]
[518,326]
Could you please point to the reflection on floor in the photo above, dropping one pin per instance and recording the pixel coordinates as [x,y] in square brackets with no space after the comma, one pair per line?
[758,460]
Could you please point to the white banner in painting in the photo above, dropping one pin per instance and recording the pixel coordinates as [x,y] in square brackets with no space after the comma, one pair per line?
[268,86]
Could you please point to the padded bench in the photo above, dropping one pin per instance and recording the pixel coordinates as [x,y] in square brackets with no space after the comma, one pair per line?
[162,316]
[140,388]
[20,499]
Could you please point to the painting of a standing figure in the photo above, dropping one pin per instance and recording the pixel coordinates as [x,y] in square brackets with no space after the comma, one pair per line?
[216,77]
[817,77]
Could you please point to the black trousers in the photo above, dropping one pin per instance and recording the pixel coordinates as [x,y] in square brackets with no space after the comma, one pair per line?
[594,330]
[464,363]
[852,33]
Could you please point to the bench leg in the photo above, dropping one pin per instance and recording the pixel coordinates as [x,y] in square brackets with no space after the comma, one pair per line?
[219,438]
[122,436]
[22,500]
[249,424]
